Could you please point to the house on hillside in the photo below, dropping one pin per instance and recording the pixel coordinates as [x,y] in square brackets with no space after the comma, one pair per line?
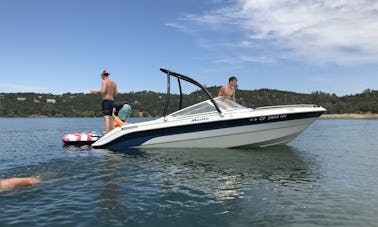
[51,101]
[21,99]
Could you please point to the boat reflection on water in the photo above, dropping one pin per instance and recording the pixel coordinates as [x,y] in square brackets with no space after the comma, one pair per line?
[222,174]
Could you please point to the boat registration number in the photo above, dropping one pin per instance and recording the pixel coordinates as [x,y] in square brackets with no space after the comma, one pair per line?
[269,118]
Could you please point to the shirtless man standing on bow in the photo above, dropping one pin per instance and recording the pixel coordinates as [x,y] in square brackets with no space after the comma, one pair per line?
[228,90]
[108,91]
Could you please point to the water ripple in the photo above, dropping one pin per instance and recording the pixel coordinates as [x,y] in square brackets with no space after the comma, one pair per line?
[319,179]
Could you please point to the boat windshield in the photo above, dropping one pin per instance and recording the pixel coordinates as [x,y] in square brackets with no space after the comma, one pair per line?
[208,107]
[227,104]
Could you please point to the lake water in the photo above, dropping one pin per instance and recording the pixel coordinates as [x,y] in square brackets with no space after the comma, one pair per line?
[327,176]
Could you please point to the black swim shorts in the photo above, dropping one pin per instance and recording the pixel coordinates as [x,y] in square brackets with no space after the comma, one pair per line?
[107,107]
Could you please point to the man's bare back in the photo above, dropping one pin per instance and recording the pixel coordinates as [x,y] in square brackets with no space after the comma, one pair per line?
[108,89]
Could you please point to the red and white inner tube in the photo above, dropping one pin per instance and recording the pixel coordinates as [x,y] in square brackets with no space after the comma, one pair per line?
[80,137]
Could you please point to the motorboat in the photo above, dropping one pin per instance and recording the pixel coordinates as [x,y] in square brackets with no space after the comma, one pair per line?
[214,123]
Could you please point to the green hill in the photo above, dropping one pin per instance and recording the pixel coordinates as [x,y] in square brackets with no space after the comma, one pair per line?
[151,104]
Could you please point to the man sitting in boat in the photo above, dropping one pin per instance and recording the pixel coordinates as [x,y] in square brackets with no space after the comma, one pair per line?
[120,114]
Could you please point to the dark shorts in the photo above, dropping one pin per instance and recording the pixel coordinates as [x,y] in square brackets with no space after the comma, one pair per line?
[107,107]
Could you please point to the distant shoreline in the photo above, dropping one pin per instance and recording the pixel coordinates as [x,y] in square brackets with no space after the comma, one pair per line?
[350,115]
[324,116]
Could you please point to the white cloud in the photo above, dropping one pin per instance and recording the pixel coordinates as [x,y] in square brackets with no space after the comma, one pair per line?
[244,58]
[258,59]
[340,32]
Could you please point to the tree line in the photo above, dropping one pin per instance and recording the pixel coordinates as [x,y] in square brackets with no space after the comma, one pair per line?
[152,104]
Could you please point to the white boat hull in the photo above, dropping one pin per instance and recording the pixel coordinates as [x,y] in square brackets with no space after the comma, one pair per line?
[261,127]
[253,135]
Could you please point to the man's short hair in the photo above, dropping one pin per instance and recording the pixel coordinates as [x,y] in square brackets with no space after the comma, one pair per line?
[232,78]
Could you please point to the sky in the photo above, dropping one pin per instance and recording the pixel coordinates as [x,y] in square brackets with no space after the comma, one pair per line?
[61,46]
